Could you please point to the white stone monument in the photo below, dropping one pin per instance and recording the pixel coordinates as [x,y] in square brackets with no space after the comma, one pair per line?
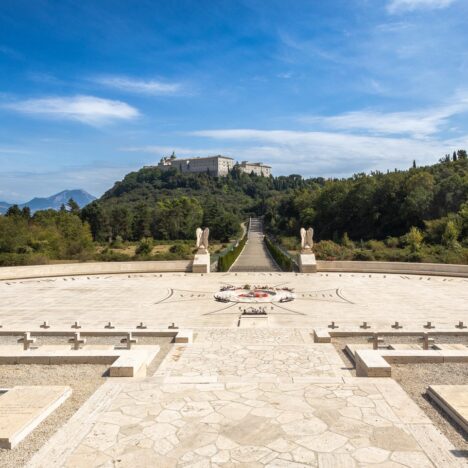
[201,262]
[307,262]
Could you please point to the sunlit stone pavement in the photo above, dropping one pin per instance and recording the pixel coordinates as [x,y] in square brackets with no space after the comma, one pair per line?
[224,404]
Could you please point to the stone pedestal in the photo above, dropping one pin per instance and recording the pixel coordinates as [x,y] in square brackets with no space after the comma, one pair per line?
[307,263]
[201,263]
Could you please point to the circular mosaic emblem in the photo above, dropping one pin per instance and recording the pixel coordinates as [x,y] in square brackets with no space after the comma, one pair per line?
[259,294]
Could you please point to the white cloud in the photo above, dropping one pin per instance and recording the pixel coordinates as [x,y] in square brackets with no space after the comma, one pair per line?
[328,153]
[417,124]
[87,109]
[150,87]
[397,6]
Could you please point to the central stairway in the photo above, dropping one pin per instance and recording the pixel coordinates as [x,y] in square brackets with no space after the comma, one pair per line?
[255,256]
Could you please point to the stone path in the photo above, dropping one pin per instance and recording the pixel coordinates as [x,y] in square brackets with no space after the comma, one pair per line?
[247,416]
[255,256]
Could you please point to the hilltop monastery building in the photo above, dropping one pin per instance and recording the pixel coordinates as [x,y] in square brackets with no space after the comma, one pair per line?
[215,165]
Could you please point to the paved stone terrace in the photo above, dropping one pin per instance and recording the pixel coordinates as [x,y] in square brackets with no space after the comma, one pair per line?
[255,256]
[181,418]
[187,300]
[230,362]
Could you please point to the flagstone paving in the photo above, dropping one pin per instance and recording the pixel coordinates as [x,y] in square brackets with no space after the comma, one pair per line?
[347,423]
[234,361]
[250,405]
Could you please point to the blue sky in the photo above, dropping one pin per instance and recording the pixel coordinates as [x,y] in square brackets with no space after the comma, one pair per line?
[90,90]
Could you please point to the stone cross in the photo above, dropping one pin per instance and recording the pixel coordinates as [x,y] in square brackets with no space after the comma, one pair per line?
[109,325]
[427,342]
[45,324]
[397,325]
[129,340]
[76,325]
[27,340]
[376,341]
[77,341]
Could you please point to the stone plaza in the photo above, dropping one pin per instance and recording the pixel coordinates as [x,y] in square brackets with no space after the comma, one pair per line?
[263,394]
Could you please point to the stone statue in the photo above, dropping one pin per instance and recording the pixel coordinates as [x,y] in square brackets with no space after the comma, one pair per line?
[307,241]
[202,240]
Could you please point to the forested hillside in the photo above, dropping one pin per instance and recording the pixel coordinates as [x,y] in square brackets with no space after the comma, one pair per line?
[420,214]
[170,205]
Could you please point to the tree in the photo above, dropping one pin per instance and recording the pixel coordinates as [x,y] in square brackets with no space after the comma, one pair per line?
[26,212]
[13,211]
[73,207]
[451,233]
[414,239]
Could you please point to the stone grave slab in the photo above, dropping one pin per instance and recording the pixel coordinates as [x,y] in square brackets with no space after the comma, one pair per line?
[453,400]
[253,321]
[404,346]
[23,408]
[450,346]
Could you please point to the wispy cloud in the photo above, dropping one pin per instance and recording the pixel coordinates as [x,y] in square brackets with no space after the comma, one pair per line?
[329,153]
[133,85]
[418,124]
[86,109]
[397,6]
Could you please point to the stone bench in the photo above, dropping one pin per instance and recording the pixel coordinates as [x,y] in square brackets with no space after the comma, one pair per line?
[23,408]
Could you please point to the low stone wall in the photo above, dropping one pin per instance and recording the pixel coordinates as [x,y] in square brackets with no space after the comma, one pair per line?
[101,268]
[440,269]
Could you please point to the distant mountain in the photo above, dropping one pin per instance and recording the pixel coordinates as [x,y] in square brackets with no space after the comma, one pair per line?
[4,207]
[54,202]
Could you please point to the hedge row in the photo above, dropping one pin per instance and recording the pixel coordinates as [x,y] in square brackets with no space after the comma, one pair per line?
[283,261]
[225,261]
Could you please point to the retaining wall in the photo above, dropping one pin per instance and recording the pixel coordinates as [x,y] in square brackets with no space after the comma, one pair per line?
[98,268]
[439,269]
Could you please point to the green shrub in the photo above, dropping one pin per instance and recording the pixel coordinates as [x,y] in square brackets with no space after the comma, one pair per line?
[117,243]
[413,239]
[225,261]
[347,242]
[329,250]
[283,260]
[108,255]
[375,245]
[181,250]
[392,242]
[363,255]
[290,243]
[17,259]
[145,247]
